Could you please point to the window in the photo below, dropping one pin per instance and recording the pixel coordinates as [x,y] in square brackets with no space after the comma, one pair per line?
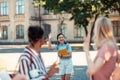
[62,29]
[46,11]
[116,28]
[51,12]
[78,32]
[19,32]
[4,32]
[47,29]
[3,8]
[20,7]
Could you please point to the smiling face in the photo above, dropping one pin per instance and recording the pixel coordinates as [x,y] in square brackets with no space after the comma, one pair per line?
[61,39]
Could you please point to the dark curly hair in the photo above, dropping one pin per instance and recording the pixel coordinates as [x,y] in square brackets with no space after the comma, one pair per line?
[35,33]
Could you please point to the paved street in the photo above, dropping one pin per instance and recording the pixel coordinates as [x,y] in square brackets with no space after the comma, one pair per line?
[10,61]
[9,57]
[20,48]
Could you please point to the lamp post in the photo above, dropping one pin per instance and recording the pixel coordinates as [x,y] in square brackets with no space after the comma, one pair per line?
[39,3]
[39,15]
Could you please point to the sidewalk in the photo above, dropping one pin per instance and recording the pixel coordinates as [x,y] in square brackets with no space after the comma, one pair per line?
[10,60]
[44,46]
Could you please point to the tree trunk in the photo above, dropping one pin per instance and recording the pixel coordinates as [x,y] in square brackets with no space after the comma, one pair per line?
[86,31]
[91,33]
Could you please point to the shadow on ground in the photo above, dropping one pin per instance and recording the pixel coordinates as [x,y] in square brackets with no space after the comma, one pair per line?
[79,74]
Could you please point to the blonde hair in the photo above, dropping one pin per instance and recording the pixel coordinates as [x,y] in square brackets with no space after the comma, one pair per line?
[103,31]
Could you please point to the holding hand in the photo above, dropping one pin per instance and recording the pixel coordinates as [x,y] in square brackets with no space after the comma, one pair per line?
[67,55]
[60,55]
[19,77]
[53,68]
[52,71]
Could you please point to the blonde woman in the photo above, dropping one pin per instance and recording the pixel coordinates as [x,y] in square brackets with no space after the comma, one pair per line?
[104,63]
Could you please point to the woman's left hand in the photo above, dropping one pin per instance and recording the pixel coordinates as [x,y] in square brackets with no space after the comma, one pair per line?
[60,55]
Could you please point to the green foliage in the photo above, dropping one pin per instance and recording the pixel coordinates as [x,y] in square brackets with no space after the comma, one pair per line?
[82,10]
[112,5]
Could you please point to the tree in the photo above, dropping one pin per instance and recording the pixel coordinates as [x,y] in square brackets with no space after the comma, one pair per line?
[105,7]
[82,10]
[111,5]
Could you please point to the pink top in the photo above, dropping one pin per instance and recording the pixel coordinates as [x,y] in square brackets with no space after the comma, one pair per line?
[108,53]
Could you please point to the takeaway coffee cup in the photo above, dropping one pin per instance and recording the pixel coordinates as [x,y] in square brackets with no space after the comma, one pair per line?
[4,75]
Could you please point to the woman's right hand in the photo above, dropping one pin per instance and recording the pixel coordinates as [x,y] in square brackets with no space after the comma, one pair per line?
[86,44]
[50,36]
[88,74]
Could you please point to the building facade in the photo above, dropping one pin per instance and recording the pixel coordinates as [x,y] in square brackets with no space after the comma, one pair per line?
[17,15]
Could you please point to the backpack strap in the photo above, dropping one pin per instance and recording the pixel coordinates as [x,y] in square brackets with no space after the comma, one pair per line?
[57,46]
[30,58]
[67,46]
[31,61]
